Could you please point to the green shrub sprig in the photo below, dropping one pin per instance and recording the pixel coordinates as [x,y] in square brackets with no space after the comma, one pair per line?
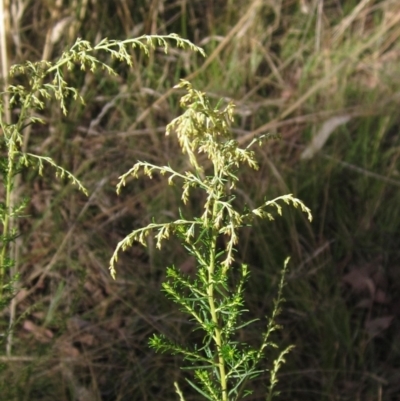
[39,82]
[221,364]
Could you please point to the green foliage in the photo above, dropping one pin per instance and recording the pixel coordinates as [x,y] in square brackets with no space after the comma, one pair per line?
[40,82]
[221,364]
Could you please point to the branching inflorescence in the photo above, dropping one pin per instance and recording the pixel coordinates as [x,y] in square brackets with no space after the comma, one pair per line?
[39,82]
[222,366]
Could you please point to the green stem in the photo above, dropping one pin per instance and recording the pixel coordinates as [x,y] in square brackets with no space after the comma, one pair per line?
[214,316]
[6,219]
[6,114]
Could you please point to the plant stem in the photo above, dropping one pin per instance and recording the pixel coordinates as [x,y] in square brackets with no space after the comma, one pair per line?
[6,219]
[210,293]
[4,26]
[7,119]
[3,250]
[9,220]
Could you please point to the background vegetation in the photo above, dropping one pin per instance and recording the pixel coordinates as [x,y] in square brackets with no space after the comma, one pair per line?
[325,76]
